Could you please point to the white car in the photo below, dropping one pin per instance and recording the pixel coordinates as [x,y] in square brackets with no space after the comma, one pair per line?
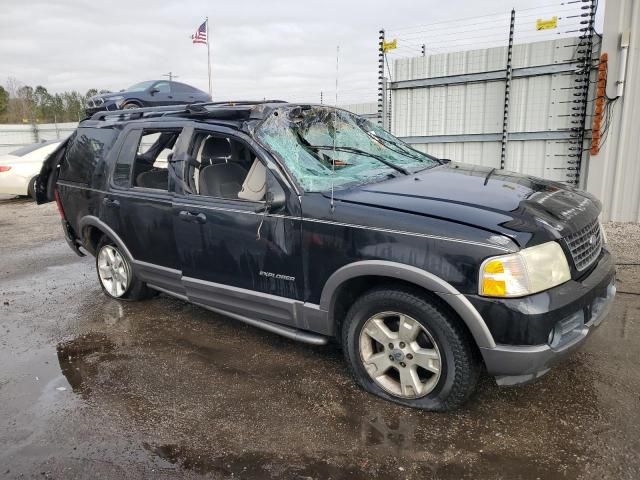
[19,168]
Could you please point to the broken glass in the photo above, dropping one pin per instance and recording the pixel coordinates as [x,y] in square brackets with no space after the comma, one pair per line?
[325,146]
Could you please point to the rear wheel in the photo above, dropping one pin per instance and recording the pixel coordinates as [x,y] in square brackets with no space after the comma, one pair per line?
[409,350]
[31,188]
[116,275]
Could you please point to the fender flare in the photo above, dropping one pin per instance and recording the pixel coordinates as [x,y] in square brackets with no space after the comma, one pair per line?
[92,221]
[381,268]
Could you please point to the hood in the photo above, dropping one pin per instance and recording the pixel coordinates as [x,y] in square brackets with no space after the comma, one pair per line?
[527,209]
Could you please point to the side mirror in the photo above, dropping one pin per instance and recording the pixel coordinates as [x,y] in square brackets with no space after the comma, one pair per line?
[153,91]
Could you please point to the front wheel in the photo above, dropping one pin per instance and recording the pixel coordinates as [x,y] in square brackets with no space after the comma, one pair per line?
[115,274]
[407,349]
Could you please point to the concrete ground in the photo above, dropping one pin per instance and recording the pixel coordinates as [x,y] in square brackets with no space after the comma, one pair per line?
[94,388]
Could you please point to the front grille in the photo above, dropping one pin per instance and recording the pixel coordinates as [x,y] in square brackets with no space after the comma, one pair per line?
[94,102]
[585,245]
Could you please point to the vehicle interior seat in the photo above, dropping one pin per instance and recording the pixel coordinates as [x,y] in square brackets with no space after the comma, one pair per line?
[255,184]
[221,180]
[158,179]
[215,150]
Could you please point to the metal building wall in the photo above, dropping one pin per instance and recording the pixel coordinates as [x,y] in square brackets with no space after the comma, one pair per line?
[614,174]
[14,136]
[367,110]
[463,121]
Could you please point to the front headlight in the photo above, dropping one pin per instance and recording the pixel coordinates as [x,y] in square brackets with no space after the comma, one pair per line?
[528,271]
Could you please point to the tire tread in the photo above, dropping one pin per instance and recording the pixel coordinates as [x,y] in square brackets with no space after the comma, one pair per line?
[467,365]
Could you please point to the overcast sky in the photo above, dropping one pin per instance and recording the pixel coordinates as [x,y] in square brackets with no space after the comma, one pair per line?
[283,49]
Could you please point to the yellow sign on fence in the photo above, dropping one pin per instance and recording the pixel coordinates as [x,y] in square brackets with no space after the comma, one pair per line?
[547,24]
[392,45]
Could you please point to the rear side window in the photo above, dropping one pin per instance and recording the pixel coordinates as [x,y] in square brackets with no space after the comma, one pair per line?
[87,147]
[143,160]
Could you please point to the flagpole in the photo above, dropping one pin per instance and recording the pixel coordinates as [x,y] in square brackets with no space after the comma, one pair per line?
[208,55]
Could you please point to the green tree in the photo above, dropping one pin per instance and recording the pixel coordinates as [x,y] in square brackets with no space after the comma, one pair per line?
[43,101]
[27,104]
[4,100]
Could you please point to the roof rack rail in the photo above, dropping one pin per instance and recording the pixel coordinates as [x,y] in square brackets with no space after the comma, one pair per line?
[190,109]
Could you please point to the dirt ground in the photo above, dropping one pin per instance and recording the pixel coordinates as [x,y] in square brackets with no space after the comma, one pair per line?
[94,388]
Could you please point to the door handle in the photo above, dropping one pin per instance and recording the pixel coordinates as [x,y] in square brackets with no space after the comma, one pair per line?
[107,202]
[192,217]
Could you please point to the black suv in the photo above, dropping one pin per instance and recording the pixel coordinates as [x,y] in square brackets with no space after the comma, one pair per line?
[313,223]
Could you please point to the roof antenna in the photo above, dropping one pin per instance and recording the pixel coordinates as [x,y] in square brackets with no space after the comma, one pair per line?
[335,129]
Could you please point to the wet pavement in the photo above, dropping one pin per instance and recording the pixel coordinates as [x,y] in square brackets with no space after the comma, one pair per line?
[94,388]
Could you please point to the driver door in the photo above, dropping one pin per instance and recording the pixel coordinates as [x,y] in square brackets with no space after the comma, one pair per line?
[160,94]
[237,254]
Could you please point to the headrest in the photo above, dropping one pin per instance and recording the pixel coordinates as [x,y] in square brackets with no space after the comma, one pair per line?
[216,147]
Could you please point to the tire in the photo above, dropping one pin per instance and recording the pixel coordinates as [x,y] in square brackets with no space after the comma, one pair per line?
[420,380]
[31,188]
[130,105]
[126,286]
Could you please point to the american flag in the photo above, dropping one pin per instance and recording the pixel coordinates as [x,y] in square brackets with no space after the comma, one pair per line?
[201,34]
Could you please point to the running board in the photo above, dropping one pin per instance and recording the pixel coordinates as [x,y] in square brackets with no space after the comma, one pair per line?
[288,332]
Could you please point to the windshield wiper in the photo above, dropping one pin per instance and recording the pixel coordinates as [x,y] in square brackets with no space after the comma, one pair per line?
[357,151]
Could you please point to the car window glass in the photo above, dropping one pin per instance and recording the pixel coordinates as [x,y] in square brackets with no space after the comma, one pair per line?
[180,87]
[225,167]
[87,147]
[326,148]
[143,161]
[140,87]
[162,87]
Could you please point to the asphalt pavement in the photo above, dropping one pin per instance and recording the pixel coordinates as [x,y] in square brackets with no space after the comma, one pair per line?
[95,388]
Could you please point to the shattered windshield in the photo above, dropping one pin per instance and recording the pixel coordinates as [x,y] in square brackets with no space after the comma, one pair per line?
[325,146]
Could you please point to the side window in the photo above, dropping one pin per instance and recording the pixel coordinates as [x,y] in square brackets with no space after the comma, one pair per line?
[87,147]
[225,167]
[180,87]
[162,87]
[143,160]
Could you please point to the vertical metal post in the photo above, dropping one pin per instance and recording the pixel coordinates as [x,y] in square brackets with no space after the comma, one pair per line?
[583,81]
[34,129]
[209,55]
[507,91]
[389,93]
[381,79]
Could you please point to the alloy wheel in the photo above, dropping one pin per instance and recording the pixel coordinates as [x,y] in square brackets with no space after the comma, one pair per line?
[400,355]
[114,271]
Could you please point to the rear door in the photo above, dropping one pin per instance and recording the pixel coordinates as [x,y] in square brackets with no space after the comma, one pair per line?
[182,93]
[138,205]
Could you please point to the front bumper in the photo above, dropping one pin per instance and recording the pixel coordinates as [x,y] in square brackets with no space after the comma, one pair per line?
[576,308]
[105,107]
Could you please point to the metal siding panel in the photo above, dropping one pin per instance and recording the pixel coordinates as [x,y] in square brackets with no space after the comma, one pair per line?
[538,104]
[614,174]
